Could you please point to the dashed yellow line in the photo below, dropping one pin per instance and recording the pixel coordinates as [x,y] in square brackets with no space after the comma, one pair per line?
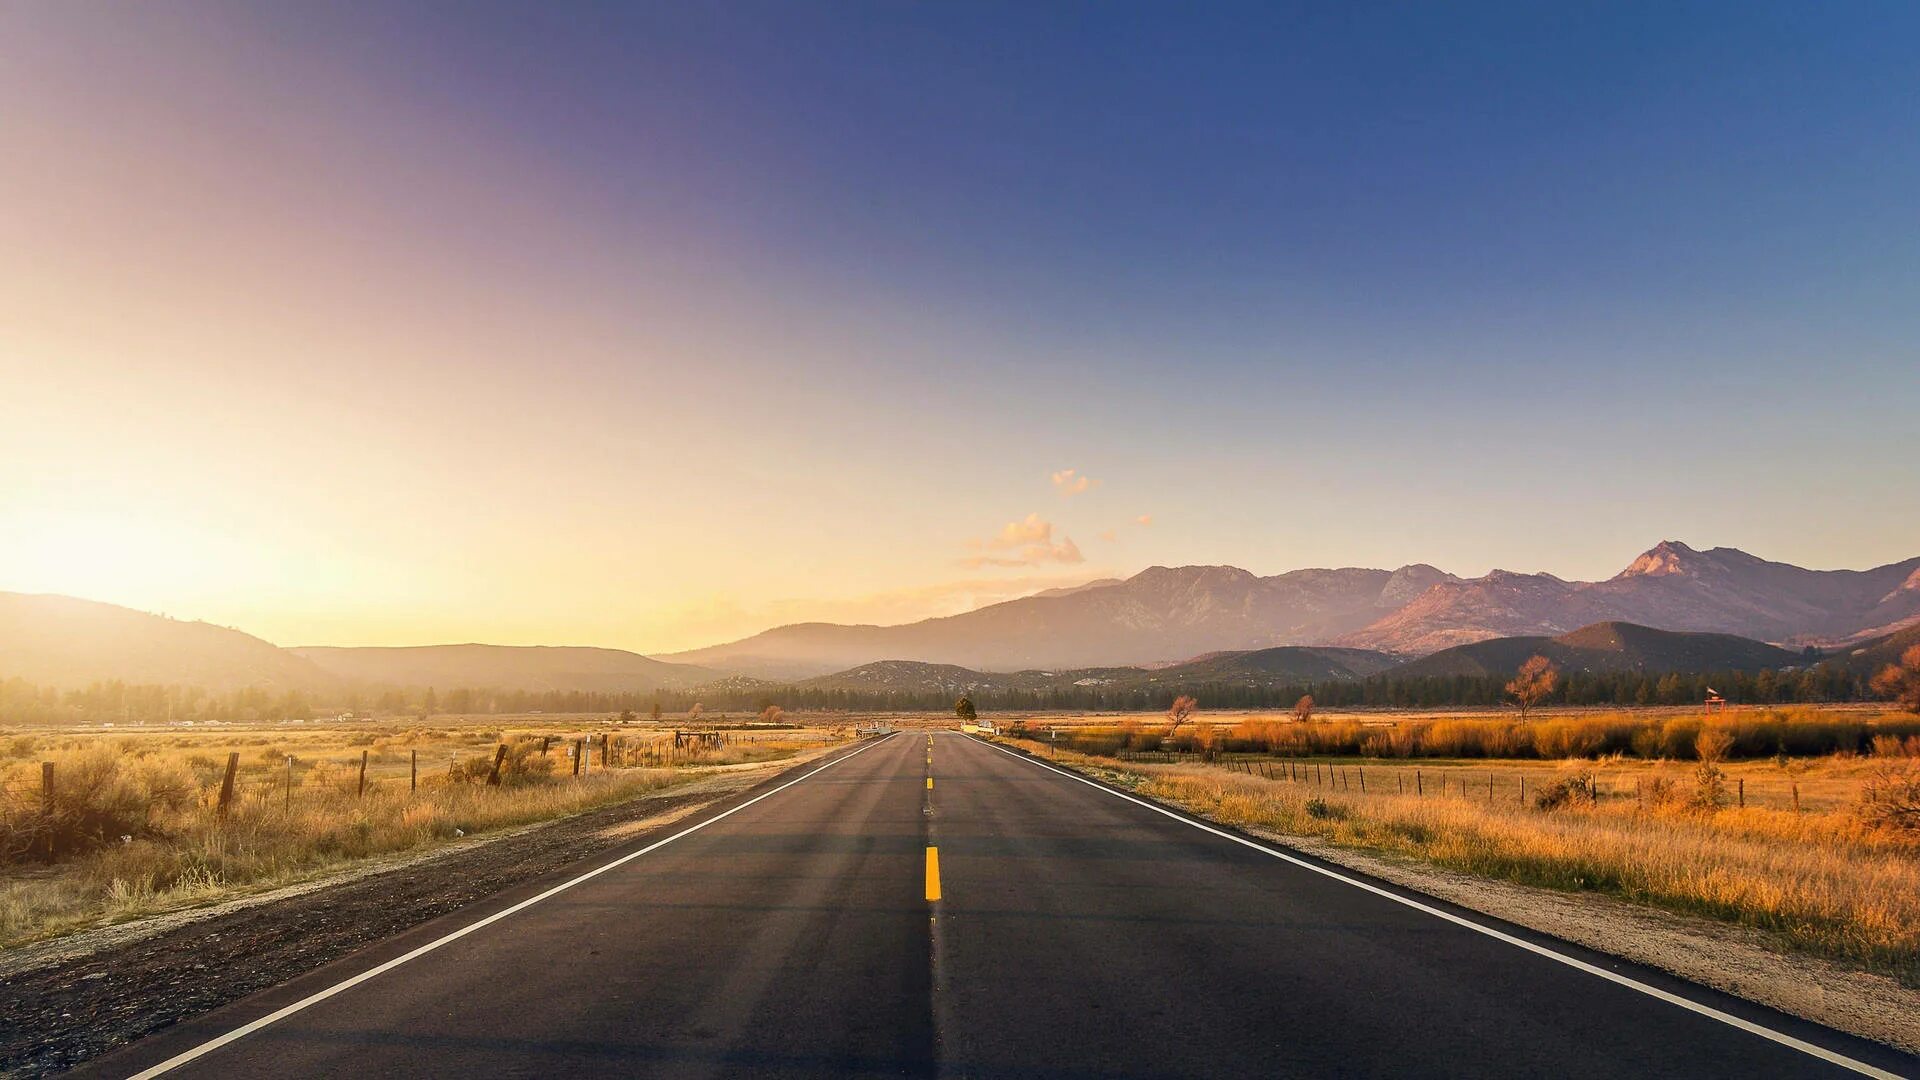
[933,874]
[929,783]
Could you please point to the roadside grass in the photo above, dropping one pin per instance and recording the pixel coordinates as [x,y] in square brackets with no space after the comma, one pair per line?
[1826,883]
[140,834]
[1784,732]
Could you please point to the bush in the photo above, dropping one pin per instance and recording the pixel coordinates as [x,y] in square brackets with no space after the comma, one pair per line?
[524,764]
[1709,787]
[1891,797]
[99,796]
[1321,810]
[1565,791]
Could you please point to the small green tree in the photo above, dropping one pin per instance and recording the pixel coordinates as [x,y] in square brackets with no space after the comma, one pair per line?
[964,710]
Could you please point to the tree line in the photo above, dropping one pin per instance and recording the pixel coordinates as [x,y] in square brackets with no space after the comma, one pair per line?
[24,702]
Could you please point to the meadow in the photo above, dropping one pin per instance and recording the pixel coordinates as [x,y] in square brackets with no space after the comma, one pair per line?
[99,827]
[1820,849]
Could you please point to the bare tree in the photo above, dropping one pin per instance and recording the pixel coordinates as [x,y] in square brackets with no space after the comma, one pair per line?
[1303,709]
[1533,683]
[1901,681]
[1180,712]
[694,714]
[773,714]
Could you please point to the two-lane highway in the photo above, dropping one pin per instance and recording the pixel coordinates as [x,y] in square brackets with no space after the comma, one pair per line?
[935,905]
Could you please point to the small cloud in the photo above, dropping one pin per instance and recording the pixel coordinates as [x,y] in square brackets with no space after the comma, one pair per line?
[1110,535]
[1016,533]
[1072,482]
[1143,519]
[1028,542]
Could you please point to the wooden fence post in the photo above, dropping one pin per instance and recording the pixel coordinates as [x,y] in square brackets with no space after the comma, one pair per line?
[1523,789]
[46,807]
[1490,787]
[1742,782]
[545,742]
[605,743]
[579,751]
[363,775]
[1417,788]
[289,783]
[493,775]
[226,785]
[413,771]
[1796,796]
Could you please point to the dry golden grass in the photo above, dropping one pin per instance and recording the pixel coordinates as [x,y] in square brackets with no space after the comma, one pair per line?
[1824,882]
[141,834]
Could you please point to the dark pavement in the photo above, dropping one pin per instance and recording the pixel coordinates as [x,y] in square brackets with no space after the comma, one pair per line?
[1076,935]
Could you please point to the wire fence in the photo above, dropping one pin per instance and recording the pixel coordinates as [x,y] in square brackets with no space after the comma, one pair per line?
[1518,784]
[43,802]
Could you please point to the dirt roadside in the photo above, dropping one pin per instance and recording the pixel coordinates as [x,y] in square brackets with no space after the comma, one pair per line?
[66,1001]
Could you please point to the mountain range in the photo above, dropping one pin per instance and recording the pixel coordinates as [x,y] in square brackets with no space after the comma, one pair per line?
[1214,623]
[1607,647]
[506,667]
[1165,614]
[1160,614]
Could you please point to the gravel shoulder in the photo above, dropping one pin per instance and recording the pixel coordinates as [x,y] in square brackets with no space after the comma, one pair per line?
[66,1001]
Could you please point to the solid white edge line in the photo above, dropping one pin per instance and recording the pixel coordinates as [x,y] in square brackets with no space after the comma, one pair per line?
[315,998]
[1573,962]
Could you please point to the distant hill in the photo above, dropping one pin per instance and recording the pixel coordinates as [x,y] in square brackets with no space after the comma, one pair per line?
[1606,647]
[1672,586]
[505,667]
[917,677]
[66,642]
[1159,614]
[1868,657]
[1278,666]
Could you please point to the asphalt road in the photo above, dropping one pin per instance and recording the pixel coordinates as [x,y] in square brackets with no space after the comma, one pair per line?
[854,919]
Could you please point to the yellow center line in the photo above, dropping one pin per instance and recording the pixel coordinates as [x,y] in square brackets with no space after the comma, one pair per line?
[933,873]
[929,783]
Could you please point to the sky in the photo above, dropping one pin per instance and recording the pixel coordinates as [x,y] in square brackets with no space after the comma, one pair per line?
[652,326]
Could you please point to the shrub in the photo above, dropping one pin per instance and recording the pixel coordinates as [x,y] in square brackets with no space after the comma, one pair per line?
[1709,786]
[99,796]
[1891,797]
[1895,746]
[1565,791]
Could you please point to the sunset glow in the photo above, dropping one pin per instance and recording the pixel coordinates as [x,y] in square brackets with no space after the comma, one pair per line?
[313,324]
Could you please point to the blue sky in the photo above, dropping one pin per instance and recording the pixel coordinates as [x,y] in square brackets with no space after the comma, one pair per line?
[772,311]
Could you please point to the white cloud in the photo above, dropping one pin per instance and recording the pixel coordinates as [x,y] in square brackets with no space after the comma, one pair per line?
[1072,482]
[1028,542]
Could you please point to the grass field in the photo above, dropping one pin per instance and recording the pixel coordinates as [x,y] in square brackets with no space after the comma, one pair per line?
[1839,877]
[134,823]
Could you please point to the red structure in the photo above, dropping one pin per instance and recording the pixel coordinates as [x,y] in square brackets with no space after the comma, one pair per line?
[1715,701]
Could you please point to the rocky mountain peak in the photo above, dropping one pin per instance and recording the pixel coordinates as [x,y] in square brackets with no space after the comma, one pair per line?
[1665,559]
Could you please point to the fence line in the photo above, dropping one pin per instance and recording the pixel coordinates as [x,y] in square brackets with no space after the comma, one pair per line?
[1468,782]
